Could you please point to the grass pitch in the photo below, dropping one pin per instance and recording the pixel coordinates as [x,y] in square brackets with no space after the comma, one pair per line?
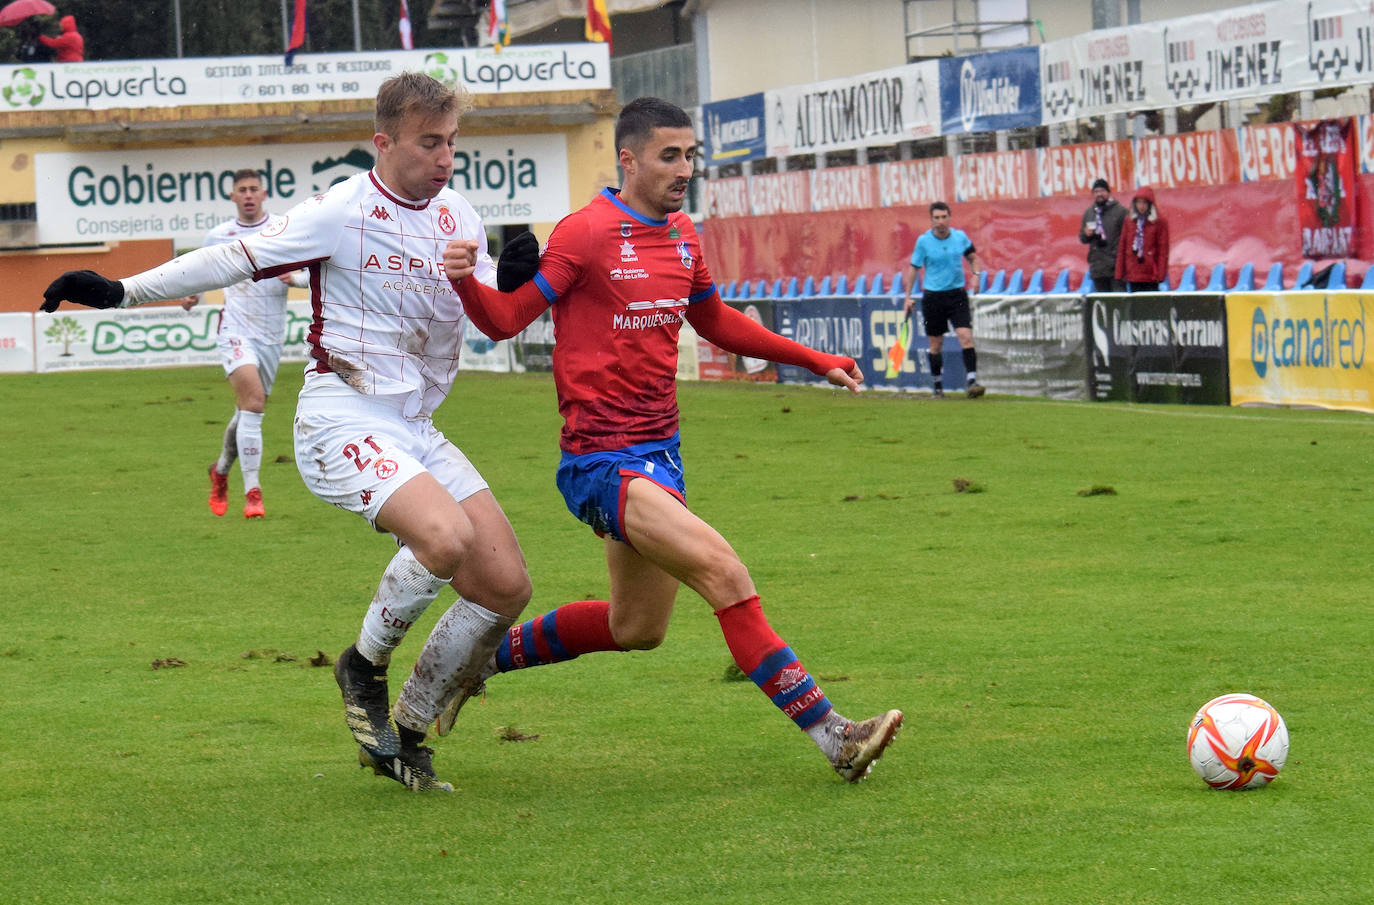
[1047,590]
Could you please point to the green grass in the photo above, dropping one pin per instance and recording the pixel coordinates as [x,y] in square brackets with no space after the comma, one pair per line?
[1048,639]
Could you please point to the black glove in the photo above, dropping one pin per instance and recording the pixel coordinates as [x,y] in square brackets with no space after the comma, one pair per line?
[519,262]
[85,287]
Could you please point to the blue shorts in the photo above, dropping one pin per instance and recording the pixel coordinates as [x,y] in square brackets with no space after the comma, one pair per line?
[594,484]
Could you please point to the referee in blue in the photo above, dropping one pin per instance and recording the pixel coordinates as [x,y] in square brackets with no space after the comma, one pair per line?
[940,252]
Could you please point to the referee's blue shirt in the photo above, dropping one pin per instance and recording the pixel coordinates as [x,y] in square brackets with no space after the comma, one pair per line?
[943,259]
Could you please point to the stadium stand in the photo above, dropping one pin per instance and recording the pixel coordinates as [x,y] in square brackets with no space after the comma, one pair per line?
[728,291]
[775,291]
[791,291]
[877,287]
[1245,280]
[1274,281]
[1087,285]
[808,289]
[1368,279]
[1061,283]
[861,285]
[824,288]
[1188,281]
[1304,280]
[1336,279]
[1036,284]
[1217,282]
[998,284]
[842,285]
[1014,283]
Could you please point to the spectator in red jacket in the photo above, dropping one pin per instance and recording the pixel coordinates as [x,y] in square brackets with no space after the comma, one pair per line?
[1142,257]
[70,46]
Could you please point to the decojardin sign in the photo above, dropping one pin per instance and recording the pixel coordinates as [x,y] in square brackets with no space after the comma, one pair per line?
[157,193]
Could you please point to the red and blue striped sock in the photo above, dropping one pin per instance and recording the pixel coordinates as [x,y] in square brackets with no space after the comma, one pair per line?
[569,631]
[770,663]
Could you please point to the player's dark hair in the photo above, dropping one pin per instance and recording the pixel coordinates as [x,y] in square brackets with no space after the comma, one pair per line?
[413,93]
[640,117]
[939,206]
[247,173]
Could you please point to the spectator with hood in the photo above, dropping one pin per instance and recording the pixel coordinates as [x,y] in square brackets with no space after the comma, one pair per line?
[69,46]
[1142,258]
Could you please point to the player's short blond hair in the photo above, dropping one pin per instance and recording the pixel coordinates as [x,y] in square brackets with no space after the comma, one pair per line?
[416,94]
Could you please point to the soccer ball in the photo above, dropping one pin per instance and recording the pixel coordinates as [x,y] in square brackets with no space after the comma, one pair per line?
[1237,741]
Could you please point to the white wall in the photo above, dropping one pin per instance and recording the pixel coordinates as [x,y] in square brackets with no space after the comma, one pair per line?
[760,44]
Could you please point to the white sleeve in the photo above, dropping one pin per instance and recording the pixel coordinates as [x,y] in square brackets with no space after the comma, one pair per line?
[211,267]
[300,278]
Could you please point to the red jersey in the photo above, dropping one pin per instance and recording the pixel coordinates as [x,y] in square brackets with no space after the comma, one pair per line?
[618,284]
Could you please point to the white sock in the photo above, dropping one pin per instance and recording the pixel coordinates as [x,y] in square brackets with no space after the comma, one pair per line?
[462,642]
[229,451]
[406,590]
[972,376]
[825,732]
[250,447]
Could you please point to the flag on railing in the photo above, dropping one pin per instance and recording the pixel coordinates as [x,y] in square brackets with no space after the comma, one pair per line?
[498,27]
[297,31]
[407,42]
[598,22]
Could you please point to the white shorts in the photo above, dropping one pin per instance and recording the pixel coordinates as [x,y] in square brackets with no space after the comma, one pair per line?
[236,352]
[355,451]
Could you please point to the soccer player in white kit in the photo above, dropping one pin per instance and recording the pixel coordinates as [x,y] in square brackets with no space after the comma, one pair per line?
[252,327]
[384,344]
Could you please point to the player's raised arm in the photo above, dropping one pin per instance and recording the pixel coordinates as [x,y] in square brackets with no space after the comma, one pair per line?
[213,267]
[498,314]
[734,332]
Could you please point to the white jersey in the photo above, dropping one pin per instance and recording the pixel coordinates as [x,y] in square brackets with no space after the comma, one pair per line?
[252,309]
[386,319]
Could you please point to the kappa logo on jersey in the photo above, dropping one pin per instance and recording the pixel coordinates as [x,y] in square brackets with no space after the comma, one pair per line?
[366,497]
[627,252]
[446,221]
[686,254]
[386,468]
[380,213]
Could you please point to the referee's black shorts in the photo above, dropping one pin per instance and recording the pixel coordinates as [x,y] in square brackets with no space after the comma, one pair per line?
[943,308]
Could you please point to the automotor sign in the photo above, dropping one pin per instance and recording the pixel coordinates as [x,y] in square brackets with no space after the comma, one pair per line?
[159,193]
[313,77]
[876,108]
[1301,348]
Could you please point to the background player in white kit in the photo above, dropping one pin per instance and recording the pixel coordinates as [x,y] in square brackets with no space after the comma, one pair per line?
[384,345]
[252,327]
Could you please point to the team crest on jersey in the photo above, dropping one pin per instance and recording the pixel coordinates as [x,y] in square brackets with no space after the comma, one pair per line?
[446,222]
[686,254]
[385,468]
[627,252]
[275,227]
[625,229]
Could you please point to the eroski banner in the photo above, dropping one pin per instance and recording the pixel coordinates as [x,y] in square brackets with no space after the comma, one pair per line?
[118,84]
[153,193]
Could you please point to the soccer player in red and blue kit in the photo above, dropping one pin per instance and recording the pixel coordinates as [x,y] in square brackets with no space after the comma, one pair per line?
[621,275]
